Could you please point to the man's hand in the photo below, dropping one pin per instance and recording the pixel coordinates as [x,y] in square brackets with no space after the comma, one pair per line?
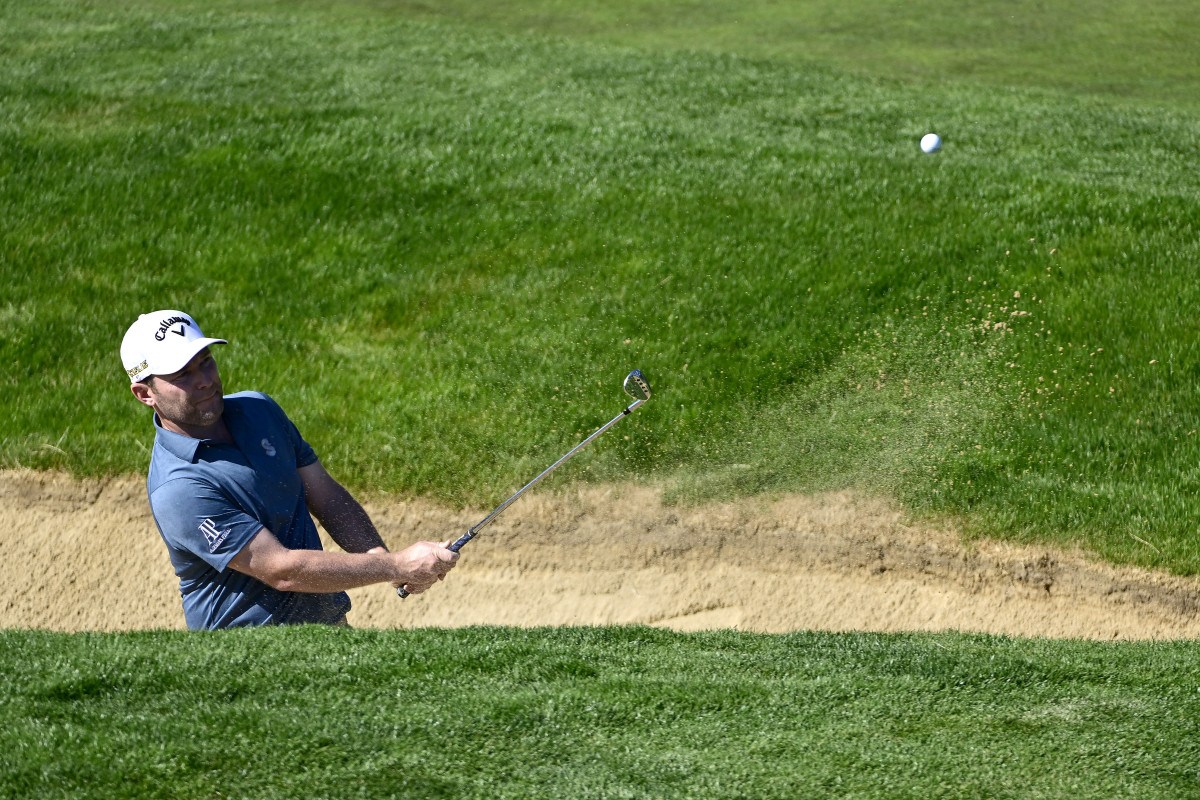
[429,563]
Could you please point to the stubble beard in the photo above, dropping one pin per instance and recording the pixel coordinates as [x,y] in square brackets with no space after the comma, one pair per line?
[186,413]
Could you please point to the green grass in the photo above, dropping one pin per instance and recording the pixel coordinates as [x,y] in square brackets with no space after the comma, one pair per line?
[603,713]
[441,246]
[1131,52]
[441,235]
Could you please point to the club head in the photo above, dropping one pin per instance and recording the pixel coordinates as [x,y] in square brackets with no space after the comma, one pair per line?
[636,386]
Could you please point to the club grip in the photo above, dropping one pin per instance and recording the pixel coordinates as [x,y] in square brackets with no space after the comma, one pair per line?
[454,548]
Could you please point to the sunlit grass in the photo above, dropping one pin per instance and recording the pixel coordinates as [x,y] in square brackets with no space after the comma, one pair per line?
[1125,51]
[442,248]
[612,712]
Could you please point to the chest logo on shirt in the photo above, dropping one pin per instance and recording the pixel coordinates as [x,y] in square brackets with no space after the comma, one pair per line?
[212,535]
[267,447]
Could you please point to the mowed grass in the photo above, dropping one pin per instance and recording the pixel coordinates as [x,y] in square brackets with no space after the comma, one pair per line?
[599,713]
[441,237]
[1141,53]
[441,247]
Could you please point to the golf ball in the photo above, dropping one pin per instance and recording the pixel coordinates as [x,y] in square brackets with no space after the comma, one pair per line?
[931,143]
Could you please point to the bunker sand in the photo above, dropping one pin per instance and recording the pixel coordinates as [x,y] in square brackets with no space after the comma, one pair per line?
[84,555]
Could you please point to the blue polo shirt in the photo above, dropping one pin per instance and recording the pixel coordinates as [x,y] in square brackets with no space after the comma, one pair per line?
[210,498]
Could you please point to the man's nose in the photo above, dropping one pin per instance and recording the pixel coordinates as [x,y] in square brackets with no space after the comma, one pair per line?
[203,379]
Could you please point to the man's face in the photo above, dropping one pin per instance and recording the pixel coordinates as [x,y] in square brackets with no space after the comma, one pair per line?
[190,398]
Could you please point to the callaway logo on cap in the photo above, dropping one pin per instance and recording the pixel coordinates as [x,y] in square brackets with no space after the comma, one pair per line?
[160,343]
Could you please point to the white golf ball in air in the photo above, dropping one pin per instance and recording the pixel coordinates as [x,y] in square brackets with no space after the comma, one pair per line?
[931,143]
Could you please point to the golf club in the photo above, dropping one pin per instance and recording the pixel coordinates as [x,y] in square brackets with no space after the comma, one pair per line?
[635,386]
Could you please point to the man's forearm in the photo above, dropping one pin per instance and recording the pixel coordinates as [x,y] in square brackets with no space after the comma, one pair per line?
[418,566]
[348,523]
[318,571]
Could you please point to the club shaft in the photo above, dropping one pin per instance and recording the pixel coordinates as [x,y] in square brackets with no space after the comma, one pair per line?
[470,534]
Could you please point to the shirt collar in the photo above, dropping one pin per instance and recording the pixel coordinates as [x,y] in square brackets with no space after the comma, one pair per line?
[185,447]
[178,445]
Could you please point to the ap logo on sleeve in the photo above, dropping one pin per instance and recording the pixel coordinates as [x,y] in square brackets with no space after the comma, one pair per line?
[212,535]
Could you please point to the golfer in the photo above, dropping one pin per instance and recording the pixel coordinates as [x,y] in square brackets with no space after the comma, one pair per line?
[232,485]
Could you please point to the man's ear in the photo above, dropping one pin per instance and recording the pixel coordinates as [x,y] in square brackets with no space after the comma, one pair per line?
[143,393]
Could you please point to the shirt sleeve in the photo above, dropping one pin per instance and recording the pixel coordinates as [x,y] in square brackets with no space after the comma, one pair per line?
[199,518]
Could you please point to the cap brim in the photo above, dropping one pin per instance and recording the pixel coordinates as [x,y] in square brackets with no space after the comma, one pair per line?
[179,359]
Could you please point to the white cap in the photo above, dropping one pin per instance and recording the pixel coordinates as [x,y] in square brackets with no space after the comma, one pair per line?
[160,343]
